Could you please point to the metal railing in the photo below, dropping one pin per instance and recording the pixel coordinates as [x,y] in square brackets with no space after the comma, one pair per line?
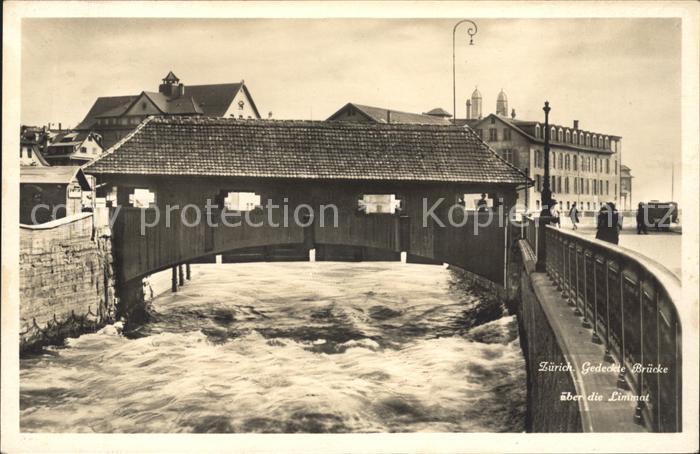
[629,303]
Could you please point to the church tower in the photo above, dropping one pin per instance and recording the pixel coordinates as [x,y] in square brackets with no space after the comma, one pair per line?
[476,105]
[502,104]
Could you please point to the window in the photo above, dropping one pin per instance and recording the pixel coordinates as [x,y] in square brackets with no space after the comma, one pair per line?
[616,167]
[83,150]
[575,159]
[507,154]
[607,188]
[568,136]
[538,158]
[560,136]
[607,143]
[538,131]
[595,164]
[506,134]
[241,201]
[588,140]
[142,198]
[595,142]
[575,185]
[559,184]
[566,185]
[552,133]
[379,203]
[538,183]
[607,166]
[143,106]
[588,186]
[493,134]
[574,138]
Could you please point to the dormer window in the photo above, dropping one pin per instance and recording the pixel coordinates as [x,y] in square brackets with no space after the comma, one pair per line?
[538,131]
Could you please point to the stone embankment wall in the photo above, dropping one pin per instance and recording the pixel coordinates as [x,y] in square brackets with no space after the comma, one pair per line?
[545,411]
[67,283]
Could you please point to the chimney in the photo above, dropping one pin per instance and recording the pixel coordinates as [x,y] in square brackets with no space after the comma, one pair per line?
[388,116]
[59,126]
[512,114]
[575,124]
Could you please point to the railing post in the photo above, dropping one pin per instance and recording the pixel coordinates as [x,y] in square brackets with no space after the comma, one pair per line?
[621,382]
[577,309]
[572,283]
[595,338]
[585,323]
[607,356]
[640,383]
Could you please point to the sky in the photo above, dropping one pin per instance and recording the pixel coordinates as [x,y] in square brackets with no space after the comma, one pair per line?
[616,76]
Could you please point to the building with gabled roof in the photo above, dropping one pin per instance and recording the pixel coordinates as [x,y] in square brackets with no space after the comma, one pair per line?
[113,117]
[69,148]
[359,113]
[61,191]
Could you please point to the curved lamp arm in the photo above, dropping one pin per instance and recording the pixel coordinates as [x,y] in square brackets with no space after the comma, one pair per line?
[471,31]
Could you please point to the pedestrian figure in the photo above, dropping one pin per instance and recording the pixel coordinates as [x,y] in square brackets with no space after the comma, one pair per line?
[482,204]
[554,212]
[641,221]
[573,215]
[608,224]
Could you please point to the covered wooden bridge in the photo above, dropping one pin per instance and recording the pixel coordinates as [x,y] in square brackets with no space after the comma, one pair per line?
[285,187]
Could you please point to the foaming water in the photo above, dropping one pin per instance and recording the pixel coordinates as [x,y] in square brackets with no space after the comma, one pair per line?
[295,347]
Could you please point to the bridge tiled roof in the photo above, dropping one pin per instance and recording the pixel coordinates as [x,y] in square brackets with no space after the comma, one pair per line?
[194,146]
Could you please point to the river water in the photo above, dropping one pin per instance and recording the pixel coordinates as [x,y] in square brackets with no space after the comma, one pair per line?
[291,347]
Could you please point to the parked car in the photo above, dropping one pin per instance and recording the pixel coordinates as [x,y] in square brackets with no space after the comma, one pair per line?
[661,214]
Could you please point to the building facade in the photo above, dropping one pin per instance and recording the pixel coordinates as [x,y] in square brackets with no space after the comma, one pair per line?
[626,187]
[584,165]
[31,142]
[73,148]
[114,117]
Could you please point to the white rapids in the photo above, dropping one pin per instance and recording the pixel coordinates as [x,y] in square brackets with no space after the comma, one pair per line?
[291,347]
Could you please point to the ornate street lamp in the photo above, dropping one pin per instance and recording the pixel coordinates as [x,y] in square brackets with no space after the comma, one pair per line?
[546,201]
[546,192]
[471,31]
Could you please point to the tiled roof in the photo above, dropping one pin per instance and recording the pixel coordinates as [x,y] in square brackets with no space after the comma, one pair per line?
[206,146]
[380,115]
[212,100]
[439,112]
[53,175]
[102,105]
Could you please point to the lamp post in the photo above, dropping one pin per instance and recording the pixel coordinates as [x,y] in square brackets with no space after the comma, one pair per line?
[546,192]
[471,31]
[546,201]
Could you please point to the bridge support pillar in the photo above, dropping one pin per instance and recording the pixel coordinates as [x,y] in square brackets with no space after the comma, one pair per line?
[181,272]
[132,304]
[173,280]
[188,272]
